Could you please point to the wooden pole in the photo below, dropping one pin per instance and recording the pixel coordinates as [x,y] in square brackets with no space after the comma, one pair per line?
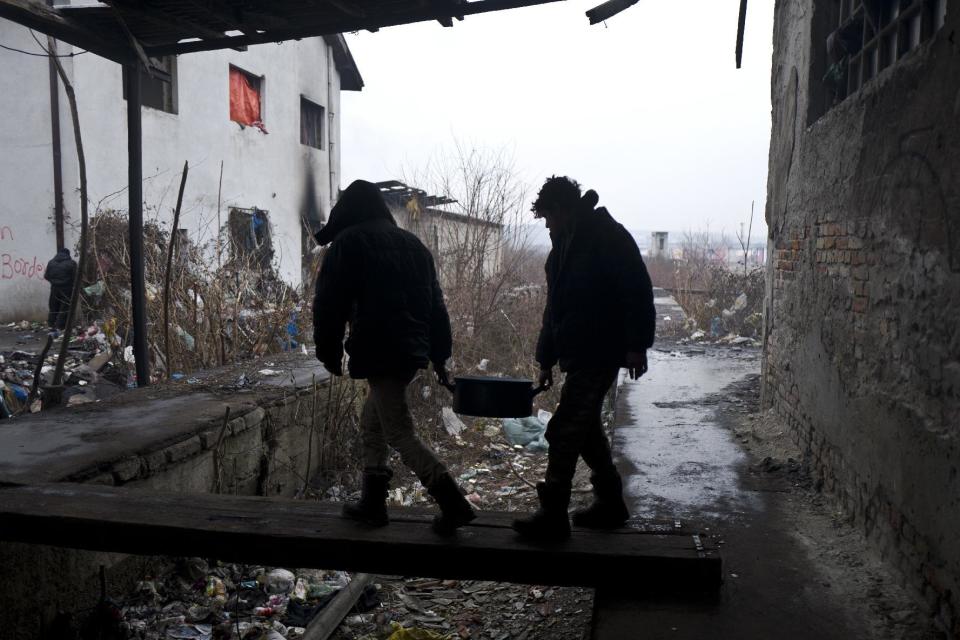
[327,621]
[82,258]
[741,25]
[166,278]
[138,293]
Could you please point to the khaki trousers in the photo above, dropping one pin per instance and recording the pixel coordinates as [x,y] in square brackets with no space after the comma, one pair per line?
[386,423]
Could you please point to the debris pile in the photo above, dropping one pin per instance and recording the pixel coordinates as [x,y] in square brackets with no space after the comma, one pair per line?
[190,599]
[94,368]
[226,302]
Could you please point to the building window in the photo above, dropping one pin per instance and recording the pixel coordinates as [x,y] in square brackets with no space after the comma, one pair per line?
[311,124]
[246,98]
[862,39]
[158,89]
[251,240]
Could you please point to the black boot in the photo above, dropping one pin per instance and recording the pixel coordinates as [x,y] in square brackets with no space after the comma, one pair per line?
[372,506]
[455,511]
[551,521]
[608,510]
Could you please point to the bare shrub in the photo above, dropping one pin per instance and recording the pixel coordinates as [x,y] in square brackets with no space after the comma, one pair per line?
[218,315]
[707,289]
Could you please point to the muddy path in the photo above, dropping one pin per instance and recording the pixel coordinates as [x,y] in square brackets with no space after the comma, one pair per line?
[692,447]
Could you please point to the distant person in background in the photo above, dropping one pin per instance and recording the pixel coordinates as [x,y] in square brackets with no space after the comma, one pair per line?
[60,273]
[381,281]
[599,317]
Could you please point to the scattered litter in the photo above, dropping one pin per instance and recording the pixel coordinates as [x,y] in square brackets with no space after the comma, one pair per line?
[526,432]
[452,422]
[415,633]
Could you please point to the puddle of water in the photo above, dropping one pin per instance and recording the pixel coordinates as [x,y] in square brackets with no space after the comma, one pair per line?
[678,462]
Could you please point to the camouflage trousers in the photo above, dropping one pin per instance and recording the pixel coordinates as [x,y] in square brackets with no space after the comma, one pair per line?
[576,429]
[386,423]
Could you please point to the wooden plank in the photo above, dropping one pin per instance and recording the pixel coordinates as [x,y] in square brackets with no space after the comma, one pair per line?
[323,626]
[297,533]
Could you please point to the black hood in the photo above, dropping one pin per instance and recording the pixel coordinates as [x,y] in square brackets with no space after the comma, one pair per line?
[62,254]
[360,202]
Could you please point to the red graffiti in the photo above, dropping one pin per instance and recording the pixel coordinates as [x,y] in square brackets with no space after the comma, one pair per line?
[13,267]
[6,233]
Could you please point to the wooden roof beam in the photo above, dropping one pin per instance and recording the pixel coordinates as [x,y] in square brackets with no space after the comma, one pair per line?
[169,21]
[36,15]
[223,14]
[345,25]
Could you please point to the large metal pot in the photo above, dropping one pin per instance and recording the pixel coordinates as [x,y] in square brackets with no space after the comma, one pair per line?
[491,397]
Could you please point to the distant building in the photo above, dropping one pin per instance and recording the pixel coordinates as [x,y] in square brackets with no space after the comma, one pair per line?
[658,244]
[458,241]
[205,108]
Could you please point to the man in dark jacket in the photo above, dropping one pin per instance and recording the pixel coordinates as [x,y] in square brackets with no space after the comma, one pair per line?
[599,317]
[381,281]
[60,273]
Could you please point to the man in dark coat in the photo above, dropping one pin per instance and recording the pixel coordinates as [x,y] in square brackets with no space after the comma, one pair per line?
[599,317]
[381,281]
[60,273]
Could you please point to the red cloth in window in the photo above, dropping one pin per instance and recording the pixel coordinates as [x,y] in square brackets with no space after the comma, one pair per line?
[244,100]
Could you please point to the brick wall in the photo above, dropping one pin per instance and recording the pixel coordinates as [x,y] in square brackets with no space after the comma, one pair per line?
[862,337]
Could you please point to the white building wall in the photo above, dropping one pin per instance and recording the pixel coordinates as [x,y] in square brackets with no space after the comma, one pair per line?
[267,171]
[27,229]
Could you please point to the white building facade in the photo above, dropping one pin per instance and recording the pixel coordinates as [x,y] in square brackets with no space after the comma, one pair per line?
[288,169]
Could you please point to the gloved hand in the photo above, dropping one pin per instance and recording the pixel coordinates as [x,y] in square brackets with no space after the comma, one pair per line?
[331,362]
[336,367]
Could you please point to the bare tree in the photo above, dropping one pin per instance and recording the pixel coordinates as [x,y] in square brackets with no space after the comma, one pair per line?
[481,247]
[745,243]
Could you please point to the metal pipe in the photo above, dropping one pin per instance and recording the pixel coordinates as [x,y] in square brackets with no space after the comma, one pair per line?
[138,292]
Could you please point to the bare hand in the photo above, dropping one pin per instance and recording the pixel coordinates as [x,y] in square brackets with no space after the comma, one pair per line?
[546,378]
[636,364]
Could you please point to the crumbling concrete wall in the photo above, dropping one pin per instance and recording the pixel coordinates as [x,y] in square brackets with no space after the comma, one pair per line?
[862,340]
[264,450]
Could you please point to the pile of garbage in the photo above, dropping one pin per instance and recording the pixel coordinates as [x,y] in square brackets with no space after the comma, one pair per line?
[94,368]
[740,324]
[190,599]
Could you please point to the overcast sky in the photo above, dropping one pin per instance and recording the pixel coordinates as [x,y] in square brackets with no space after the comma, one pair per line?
[650,110]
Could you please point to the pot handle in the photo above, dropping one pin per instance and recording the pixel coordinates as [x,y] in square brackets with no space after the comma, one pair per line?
[539,389]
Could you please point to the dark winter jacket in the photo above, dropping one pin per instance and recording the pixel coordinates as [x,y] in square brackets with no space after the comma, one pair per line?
[61,270]
[599,296]
[380,280]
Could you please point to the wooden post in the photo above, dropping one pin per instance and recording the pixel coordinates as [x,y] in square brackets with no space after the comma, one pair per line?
[138,294]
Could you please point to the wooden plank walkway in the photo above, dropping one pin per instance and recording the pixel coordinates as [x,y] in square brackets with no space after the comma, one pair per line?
[298,533]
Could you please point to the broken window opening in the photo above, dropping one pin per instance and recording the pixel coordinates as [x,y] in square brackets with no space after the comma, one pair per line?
[311,123]
[251,240]
[246,99]
[158,89]
[855,40]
